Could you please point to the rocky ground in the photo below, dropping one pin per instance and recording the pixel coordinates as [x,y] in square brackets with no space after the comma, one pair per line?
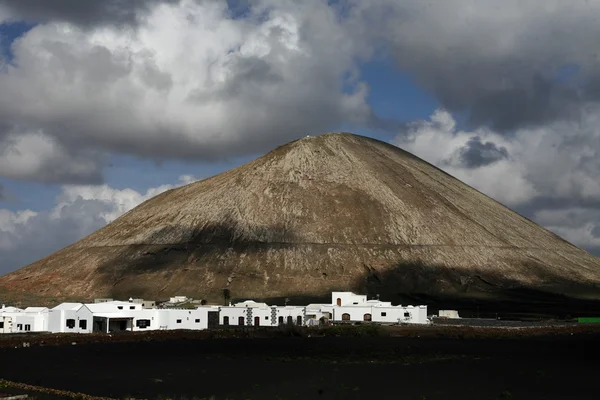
[433,362]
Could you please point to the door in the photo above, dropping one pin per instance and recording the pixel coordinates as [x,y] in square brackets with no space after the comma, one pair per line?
[241,321]
[213,319]
[367,317]
[256,321]
[345,317]
[299,320]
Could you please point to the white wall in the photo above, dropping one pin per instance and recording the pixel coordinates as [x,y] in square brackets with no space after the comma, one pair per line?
[233,313]
[356,312]
[347,298]
[183,319]
[57,320]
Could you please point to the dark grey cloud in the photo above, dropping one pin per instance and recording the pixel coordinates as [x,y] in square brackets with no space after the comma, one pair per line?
[510,64]
[477,153]
[81,12]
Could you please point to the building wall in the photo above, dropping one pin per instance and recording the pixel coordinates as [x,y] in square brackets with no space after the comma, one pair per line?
[57,320]
[347,298]
[183,319]
[356,313]
[6,323]
[233,314]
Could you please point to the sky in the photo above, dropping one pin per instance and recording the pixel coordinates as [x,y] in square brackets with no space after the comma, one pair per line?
[106,103]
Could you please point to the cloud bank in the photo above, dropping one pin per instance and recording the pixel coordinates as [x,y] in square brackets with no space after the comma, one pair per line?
[27,236]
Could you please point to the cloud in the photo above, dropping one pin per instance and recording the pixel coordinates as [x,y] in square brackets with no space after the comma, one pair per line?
[26,236]
[477,154]
[38,157]
[511,64]
[547,173]
[189,82]
[577,225]
[84,13]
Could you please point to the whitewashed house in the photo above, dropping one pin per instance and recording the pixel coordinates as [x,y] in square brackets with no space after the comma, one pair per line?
[318,314]
[114,316]
[288,315]
[350,307]
[8,316]
[246,313]
[70,318]
[451,314]
[195,319]
[34,319]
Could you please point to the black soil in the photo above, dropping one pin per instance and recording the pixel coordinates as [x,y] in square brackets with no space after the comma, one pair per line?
[433,365]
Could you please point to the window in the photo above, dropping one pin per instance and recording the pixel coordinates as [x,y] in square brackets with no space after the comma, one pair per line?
[339,302]
[132,307]
[367,317]
[197,320]
[27,327]
[70,323]
[266,317]
[178,321]
[407,315]
[345,317]
[120,307]
[2,325]
[225,320]
[19,327]
[142,323]
[83,324]
[383,314]
[355,303]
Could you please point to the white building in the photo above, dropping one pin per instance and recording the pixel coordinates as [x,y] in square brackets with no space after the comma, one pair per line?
[251,313]
[114,316]
[8,316]
[289,315]
[318,314]
[178,299]
[246,313]
[452,314]
[351,307]
[71,318]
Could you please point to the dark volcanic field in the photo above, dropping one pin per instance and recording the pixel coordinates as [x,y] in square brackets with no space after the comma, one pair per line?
[431,363]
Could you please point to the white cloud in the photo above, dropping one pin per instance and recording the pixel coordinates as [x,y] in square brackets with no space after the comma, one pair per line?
[438,142]
[26,236]
[188,82]
[36,156]
[540,170]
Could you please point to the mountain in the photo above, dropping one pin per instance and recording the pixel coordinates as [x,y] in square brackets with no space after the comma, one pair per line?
[337,211]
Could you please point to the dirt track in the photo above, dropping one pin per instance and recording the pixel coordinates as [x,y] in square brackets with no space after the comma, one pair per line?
[448,363]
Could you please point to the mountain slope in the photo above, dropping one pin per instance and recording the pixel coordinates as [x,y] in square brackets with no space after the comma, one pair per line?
[337,211]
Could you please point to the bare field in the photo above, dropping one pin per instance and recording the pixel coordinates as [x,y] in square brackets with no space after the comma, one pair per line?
[436,362]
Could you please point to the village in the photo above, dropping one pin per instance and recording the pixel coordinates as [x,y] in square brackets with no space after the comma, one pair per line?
[107,315]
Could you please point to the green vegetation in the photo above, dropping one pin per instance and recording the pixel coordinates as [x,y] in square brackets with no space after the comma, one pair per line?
[588,319]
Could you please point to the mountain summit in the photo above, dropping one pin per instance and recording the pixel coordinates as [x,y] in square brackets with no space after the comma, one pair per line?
[337,211]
